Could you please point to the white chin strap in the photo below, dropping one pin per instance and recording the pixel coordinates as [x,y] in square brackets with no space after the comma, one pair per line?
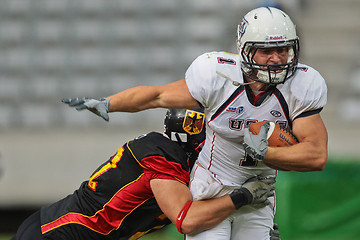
[235,83]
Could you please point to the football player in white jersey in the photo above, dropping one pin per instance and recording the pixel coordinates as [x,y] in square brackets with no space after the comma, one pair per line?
[263,81]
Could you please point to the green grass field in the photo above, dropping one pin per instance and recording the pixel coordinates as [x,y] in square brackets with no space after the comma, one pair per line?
[6,236]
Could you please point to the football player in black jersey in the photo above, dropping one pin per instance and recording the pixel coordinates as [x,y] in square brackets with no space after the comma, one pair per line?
[142,188]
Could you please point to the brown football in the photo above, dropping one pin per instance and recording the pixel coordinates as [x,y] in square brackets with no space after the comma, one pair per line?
[278,136]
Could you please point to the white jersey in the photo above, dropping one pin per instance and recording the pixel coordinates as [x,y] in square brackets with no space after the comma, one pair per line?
[230,108]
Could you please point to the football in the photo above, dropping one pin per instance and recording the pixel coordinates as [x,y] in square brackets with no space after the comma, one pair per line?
[278,136]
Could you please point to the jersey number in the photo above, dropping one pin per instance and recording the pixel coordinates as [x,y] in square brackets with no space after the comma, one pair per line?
[112,164]
[226,61]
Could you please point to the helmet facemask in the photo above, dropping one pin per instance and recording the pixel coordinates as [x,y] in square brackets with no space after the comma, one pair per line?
[191,145]
[269,73]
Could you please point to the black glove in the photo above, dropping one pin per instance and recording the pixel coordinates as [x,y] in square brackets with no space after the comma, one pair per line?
[100,106]
[255,191]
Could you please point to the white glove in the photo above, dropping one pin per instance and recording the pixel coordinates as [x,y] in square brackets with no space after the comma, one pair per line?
[100,106]
[254,191]
[256,145]
[274,233]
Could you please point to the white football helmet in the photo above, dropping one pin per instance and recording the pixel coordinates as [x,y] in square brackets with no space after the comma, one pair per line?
[267,27]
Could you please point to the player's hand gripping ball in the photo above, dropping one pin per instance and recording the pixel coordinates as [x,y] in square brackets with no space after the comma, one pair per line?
[277,136]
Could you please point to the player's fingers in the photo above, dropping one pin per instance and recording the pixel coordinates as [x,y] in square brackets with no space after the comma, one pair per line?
[274,234]
[81,107]
[269,194]
[264,128]
[270,189]
[247,133]
[269,181]
[66,100]
[76,101]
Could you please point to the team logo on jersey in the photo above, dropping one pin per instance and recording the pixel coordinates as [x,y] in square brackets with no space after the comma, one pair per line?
[193,122]
[275,113]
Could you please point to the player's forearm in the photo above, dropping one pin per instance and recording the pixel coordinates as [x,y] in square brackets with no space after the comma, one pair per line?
[302,157]
[134,99]
[172,95]
[206,214]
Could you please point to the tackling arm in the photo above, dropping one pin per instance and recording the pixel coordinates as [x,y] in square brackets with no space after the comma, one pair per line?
[175,200]
[172,195]
[308,155]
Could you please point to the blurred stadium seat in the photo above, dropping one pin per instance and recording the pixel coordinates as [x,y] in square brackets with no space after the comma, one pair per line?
[75,39]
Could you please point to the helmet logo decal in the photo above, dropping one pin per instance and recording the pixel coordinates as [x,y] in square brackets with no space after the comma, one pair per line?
[275,37]
[242,28]
[193,122]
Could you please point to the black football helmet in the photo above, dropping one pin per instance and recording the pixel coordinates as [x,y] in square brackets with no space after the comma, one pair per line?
[187,128]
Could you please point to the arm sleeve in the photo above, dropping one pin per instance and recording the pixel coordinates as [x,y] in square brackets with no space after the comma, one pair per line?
[310,94]
[159,167]
[200,79]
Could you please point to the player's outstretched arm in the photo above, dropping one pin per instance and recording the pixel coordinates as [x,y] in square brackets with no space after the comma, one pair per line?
[175,200]
[173,95]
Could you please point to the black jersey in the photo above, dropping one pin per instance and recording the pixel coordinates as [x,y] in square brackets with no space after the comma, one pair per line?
[117,201]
